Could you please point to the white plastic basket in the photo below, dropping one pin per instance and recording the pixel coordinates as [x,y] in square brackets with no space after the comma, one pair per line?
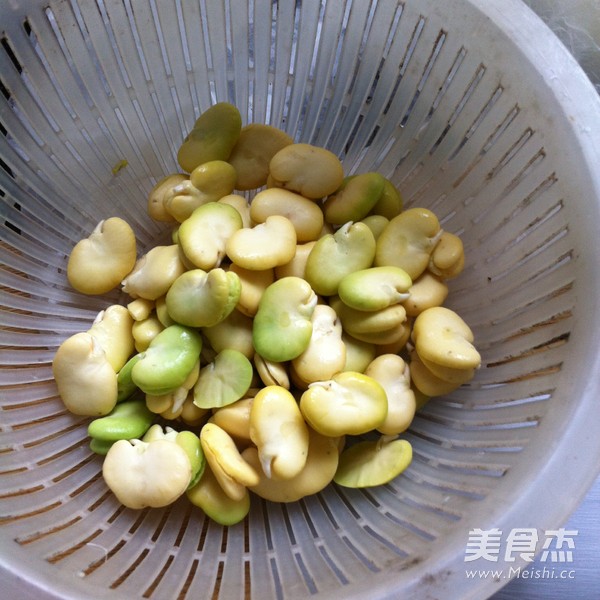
[474,109]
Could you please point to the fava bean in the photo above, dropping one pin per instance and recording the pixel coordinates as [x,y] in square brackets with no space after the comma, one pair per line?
[279,432]
[311,171]
[204,234]
[264,246]
[354,199]
[98,263]
[202,299]
[213,136]
[375,288]
[369,463]
[408,241]
[305,215]
[348,404]
[232,472]
[253,151]
[86,381]
[349,249]
[319,469]
[154,273]
[282,326]
[223,381]
[168,361]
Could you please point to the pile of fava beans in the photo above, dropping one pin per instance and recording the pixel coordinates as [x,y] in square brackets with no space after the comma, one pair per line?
[284,338]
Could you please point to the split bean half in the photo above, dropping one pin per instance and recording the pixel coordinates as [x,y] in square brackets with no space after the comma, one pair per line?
[279,432]
[98,263]
[213,136]
[349,403]
[282,326]
[350,248]
[202,299]
[311,171]
[372,463]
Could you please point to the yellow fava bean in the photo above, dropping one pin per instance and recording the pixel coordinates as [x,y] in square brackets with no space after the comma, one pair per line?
[208,182]
[158,195]
[235,418]
[297,266]
[140,308]
[265,246]
[348,404]
[98,263]
[319,469]
[233,332]
[372,321]
[252,153]
[448,258]
[427,291]
[359,354]
[311,171]
[241,205]
[349,249]
[279,432]
[393,374]
[271,373]
[253,284]
[232,472]
[112,330]
[408,240]
[326,352]
[374,288]
[209,496]
[86,381]
[154,273]
[426,382]
[203,236]
[305,215]
[442,337]
[376,223]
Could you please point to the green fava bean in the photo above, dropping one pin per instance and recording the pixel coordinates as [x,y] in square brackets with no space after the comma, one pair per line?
[390,202]
[348,404]
[201,299]
[167,362]
[209,496]
[128,420]
[369,463]
[350,248]
[190,442]
[282,326]
[374,288]
[100,446]
[213,136]
[203,236]
[125,385]
[355,198]
[223,381]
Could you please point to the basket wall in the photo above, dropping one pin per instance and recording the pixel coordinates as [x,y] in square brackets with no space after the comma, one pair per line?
[453,102]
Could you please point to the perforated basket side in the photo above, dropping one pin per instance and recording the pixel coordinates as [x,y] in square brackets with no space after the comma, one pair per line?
[471,108]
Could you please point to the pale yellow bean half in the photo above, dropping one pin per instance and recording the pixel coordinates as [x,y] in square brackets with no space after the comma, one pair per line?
[305,215]
[279,432]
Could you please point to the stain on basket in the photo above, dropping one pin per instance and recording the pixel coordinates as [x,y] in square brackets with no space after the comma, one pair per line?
[119,166]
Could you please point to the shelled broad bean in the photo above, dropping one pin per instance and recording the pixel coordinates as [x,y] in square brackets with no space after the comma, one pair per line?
[276,330]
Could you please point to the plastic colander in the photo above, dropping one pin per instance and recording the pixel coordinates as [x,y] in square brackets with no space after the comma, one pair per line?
[474,110]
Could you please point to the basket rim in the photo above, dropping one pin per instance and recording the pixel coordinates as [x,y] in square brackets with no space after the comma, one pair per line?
[574,93]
